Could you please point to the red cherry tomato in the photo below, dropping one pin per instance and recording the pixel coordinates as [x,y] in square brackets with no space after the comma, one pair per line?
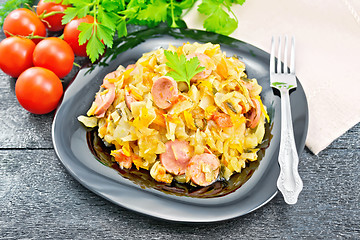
[38,90]
[16,55]
[23,22]
[53,23]
[71,35]
[54,54]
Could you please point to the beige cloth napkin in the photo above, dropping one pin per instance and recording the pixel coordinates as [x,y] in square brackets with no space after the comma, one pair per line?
[327,36]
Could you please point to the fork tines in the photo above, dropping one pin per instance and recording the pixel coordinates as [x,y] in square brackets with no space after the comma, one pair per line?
[279,68]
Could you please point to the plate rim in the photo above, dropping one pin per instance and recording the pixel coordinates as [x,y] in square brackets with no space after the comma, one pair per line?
[170,218]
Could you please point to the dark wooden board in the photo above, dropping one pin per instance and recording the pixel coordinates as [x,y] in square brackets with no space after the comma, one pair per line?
[40,200]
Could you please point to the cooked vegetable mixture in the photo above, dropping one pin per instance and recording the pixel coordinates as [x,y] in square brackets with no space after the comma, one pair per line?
[187,114]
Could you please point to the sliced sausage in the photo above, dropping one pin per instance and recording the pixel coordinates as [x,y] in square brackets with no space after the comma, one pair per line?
[164,91]
[222,120]
[255,113]
[104,99]
[176,156]
[123,160]
[129,99]
[204,62]
[203,169]
[113,75]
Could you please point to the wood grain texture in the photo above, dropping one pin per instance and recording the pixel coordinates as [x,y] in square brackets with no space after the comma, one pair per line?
[19,128]
[40,200]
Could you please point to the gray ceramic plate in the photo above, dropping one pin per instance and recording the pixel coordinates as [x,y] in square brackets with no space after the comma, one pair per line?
[70,143]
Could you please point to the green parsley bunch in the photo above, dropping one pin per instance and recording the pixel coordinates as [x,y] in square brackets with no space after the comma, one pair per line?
[113,16]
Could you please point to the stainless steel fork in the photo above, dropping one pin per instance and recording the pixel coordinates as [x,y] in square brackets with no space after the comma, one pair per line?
[289,181]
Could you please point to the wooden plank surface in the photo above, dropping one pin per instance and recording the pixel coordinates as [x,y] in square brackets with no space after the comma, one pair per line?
[40,200]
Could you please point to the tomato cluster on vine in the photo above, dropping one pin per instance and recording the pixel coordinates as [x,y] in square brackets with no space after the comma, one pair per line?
[36,59]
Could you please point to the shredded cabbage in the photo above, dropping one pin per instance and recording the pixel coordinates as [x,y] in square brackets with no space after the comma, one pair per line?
[141,133]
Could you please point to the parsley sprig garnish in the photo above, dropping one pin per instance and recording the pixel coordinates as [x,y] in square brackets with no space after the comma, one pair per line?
[183,70]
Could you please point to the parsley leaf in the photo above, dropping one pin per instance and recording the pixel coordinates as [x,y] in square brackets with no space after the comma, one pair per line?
[72,12]
[113,5]
[94,48]
[105,34]
[241,2]
[121,27]
[155,12]
[220,22]
[183,70]
[97,36]
[186,4]
[218,19]
[86,30]
[207,7]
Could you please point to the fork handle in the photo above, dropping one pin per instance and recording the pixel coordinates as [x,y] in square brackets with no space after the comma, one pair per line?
[289,181]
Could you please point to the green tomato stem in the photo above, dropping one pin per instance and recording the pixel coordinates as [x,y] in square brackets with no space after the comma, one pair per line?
[45,15]
[30,36]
